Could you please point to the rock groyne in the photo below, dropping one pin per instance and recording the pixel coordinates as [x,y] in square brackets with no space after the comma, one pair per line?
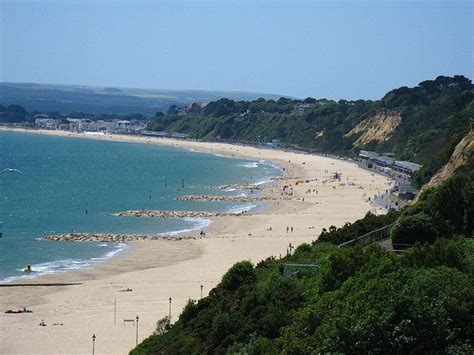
[223,198]
[113,238]
[174,214]
[241,187]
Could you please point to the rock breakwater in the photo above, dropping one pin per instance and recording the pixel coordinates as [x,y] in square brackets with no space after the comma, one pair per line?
[175,214]
[241,187]
[223,198]
[113,238]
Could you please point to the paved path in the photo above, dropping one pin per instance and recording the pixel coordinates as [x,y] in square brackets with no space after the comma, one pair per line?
[386,244]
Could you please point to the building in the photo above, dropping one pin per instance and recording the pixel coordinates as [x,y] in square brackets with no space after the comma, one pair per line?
[368,155]
[273,144]
[300,108]
[406,167]
[75,124]
[384,161]
[179,135]
[387,160]
[123,125]
[165,134]
[405,192]
[88,126]
[105,126]
[63,126]
[46,123]
[155,133]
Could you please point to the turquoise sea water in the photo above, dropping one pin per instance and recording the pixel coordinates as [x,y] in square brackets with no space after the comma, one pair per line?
[47,184]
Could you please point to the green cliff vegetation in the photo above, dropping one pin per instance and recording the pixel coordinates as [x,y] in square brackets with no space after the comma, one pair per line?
[443,211]
[435,115]
[361,299]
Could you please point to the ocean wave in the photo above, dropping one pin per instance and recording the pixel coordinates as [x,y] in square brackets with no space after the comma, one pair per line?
[269,164]
[262,182]
[64,265]
[241,208]
[250,165]
[198,224]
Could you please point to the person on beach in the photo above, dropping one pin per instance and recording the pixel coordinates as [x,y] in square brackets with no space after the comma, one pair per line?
[291,229]
[287,229]
[19,310]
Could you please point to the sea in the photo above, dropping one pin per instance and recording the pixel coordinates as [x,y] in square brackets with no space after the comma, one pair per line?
[52,185]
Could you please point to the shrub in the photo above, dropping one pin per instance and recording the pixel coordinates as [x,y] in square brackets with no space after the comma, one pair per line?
[242,272]
[415,228]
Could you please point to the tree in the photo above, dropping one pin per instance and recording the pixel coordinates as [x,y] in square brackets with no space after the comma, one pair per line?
[416,228]
[173,110]
[242,272]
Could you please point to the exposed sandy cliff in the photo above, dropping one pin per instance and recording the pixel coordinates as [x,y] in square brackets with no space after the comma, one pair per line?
[463,150]
[378,127]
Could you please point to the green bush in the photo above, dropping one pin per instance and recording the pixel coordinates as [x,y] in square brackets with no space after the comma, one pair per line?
[410,229]
[242,272]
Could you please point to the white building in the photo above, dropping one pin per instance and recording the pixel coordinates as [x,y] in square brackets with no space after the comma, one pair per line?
[406,166]
[46,123]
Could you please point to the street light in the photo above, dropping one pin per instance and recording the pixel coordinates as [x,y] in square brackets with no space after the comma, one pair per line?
[169,316]
[93,344]
[136,336]
[201,290]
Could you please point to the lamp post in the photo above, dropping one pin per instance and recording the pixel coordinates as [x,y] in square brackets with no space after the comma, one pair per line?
[136,334]
[201,290]
[169,315]
[93,344]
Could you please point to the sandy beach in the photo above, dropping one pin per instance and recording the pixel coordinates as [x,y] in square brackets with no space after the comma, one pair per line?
[158,270]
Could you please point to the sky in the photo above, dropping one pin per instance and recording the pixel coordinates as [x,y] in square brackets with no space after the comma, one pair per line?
[348,50]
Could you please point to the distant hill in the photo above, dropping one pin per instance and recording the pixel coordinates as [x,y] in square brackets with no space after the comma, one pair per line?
[108,100]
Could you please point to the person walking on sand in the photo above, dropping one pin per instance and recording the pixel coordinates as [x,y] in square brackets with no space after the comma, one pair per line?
[291,229]
[287,229]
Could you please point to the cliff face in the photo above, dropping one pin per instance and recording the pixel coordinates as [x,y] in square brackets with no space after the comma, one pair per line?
[378,127]
[462,152]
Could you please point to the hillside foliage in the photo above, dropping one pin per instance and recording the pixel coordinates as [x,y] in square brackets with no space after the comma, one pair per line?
[435,115]
[357,300]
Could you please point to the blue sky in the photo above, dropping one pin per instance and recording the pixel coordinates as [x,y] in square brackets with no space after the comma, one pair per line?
[321,49]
